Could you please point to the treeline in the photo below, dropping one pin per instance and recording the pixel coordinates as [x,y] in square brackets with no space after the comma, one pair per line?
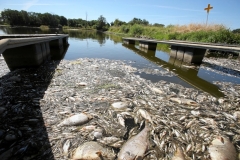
[23,18]
[99,24]
[134,21]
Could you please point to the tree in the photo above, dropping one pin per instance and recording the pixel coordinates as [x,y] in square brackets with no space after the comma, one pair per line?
[117,22]
[101,22]
[236,30]
[145,22]
[138,21]
[63,21]
[158,25]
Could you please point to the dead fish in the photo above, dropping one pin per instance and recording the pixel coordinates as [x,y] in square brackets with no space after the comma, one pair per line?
[96,134]
[66,147]
[186,66]
[135,147]
[81,84]
[236,115]
[93,151]
[222,149]
[157,90]
[75,120]
[145,114]
[88,128]
[178,154]
[112,141]
[121,120]
[184,101]
[119,105]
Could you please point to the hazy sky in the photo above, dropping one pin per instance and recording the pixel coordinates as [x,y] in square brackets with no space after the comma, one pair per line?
[155,11]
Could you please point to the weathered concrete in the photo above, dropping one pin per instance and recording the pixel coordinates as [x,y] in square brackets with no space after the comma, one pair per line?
[26,52]
[56,47]
[180,53]
[129,41]
[194,55]
[25,56]
[190,52]
[173,52]
[212,46]
[175,62]
[148,45]
[187,54]
[148,52]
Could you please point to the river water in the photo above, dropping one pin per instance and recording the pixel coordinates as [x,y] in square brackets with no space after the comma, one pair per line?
[92,44]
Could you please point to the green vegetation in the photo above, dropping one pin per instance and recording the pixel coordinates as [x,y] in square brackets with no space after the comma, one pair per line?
[32,19]
[236,31]
[43,27]
[136,27]
[192,32]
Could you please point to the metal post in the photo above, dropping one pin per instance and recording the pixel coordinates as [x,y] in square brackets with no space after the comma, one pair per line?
[207,19]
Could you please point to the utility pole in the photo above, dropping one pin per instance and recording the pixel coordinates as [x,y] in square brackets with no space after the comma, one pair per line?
[208,9]
[86,20]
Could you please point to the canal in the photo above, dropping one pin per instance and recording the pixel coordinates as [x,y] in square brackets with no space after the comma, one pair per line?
[152,65]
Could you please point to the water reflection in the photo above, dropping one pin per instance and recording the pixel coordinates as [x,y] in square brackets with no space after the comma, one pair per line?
[27,30]
[176,66]
[93,44]
[89,34]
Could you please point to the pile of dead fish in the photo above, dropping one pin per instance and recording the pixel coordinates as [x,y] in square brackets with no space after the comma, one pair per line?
[223,66]
[99,109]
[159,72]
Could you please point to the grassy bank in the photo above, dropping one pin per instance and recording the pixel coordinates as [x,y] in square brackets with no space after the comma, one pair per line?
[212,33]
[78,28]
[44,27]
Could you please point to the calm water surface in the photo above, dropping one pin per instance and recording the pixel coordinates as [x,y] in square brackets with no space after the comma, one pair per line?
[92,44]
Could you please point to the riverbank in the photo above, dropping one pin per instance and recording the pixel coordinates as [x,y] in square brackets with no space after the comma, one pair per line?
[36,101]
[192,32]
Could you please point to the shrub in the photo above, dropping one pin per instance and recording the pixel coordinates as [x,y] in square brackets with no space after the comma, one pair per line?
[136,30]
[125,28]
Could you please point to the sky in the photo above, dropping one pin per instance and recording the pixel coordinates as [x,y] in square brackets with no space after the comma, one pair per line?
[174,12]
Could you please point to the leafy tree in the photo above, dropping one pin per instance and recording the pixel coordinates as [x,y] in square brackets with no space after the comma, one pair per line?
[236,30]
[117,22]
[23,18]
[34,19]
[138,21]
[63,21]
[158,25]
[101,23]
[145,22]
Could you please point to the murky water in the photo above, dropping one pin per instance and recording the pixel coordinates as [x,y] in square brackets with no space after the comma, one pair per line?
[94,44]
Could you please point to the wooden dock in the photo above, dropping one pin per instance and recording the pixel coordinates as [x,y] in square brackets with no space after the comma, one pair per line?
[31,50]
[190,52]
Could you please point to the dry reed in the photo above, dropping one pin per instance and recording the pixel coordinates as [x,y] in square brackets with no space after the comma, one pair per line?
[193,27]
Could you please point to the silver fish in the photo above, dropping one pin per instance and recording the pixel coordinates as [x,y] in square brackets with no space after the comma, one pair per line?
[135,147]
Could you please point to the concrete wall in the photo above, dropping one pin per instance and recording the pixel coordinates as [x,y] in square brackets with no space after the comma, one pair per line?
[187,54]
[148,45]
[128,41]
[25,56]
[35,54]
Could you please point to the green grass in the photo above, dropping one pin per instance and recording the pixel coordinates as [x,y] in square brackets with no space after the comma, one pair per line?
[43,27]
[193,32]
